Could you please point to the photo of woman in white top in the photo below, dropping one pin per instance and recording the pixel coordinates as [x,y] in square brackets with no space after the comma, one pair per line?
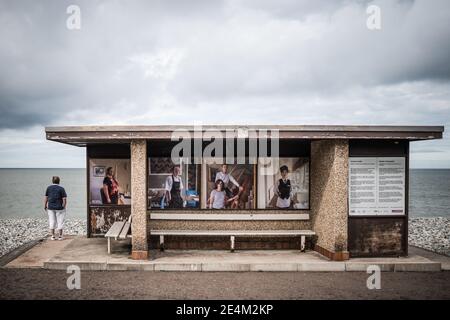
[227,178]
[218,197]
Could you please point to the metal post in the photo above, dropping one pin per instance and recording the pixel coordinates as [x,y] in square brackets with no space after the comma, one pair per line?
[161,242]
[302,244]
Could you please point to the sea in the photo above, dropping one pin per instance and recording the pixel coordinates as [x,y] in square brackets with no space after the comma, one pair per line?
[22,192]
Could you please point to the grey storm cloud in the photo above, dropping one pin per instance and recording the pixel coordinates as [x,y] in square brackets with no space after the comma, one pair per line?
[218,61]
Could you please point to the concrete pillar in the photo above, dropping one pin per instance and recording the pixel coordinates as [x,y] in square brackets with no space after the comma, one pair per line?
[139,199]
[329,194]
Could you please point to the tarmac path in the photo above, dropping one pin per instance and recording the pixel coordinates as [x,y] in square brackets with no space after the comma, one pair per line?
[49,284]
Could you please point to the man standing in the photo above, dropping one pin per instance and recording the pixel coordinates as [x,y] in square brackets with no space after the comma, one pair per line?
[55,203]
[174,187]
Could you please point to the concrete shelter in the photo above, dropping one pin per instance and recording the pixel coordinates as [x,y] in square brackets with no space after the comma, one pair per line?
[348,184]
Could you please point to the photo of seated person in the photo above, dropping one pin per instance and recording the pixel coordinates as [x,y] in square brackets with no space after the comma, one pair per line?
[284,189]
[174,188]
[110,189]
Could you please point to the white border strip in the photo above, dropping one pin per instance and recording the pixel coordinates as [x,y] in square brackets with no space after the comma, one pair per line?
[229,216]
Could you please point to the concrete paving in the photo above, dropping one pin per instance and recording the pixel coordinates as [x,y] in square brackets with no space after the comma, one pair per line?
[444,260]
[91,254]
[39,253]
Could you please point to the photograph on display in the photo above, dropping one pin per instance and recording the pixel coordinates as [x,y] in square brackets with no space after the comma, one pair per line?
[287,188]
[230,186]
[110,182]
[99,171]
[173,185]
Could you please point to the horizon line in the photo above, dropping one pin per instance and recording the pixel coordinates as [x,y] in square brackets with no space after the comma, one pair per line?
[427,168]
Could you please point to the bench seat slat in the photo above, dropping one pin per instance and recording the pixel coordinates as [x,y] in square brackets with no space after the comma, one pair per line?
[234,232]
[115,229]
[124,233]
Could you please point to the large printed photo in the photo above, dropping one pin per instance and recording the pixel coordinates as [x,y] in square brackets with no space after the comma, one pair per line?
[173,185]
[286,188]
[231,186]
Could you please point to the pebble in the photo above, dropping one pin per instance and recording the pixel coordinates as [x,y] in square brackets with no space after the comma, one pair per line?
[429,233]
[16,232]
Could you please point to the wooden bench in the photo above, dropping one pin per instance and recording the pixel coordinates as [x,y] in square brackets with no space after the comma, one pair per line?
[119,230]
[233,234]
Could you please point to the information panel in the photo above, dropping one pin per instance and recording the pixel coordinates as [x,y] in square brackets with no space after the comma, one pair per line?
[376,186]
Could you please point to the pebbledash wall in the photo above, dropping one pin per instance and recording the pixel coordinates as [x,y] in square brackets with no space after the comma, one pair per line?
[329,206]
[339,235]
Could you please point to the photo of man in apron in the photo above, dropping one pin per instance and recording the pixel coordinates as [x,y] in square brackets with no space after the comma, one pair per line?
[174,188]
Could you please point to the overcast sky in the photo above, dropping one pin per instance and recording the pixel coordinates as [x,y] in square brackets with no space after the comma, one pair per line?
[219,62]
